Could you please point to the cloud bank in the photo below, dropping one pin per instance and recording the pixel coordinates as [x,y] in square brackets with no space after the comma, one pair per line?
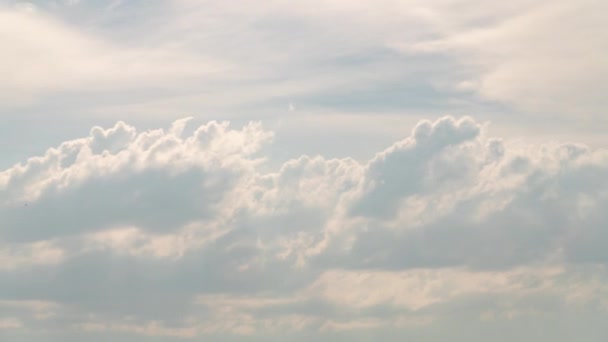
[187,232]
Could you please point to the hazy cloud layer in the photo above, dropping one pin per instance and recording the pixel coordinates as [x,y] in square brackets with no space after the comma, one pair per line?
[184,55]
[188,232]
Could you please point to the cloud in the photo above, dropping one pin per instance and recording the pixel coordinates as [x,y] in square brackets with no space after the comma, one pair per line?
[455,198]
[188,232]
[348,57]
[405,167]
[221,231]
[544,59]
[45,55]
[117,177]
[528,54]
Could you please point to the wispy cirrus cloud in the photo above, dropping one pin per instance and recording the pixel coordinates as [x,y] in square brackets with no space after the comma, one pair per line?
[394,55]
[44,56]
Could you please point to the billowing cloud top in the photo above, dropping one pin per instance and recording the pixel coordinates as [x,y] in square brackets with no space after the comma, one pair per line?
[189,233]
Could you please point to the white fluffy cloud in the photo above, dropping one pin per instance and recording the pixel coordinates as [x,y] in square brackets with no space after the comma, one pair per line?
[185,232]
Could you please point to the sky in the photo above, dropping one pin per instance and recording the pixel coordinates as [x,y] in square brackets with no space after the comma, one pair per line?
[330,170]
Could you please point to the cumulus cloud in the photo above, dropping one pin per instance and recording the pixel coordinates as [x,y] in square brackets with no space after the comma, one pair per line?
[179,235]
[117,177]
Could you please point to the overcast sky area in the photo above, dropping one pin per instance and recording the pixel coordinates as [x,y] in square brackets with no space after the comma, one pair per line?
[336,170]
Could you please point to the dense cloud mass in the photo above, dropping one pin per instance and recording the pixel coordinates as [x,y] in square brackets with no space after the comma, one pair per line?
[188,232]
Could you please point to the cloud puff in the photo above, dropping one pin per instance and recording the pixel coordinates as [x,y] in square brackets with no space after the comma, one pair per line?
[416,165]
[175,234]
[116,177]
